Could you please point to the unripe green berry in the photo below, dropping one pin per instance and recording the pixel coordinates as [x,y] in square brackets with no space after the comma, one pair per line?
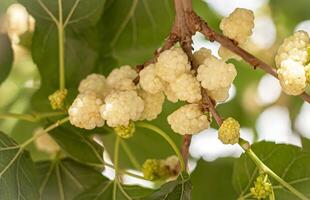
[57,99]
[229,132]
[125,132]
[262,187]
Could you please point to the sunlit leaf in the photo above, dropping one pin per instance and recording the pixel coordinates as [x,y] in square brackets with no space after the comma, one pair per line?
[289,162]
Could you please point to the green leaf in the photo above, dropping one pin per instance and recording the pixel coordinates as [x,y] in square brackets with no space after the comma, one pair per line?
[288,161]
[78,146]
[104,191]
[289,14]
[6,56]
[211,178]
[179,189]
[65,179]
[81,44]
[132,30]
[17,172]
[305,144]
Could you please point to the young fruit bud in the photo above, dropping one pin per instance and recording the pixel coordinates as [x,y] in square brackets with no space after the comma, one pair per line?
[155,170]
[229,132]
[125,132]
[57,99]
[262,187]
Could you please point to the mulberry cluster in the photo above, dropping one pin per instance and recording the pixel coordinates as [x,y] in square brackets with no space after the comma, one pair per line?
[118,101]
[292,61]
[115,99]
[237,26]
[171,74]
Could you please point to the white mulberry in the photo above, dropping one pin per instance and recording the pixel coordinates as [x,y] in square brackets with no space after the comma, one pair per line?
[238,25]
[153,104]
[45,142]
[187,88]
[226,54]
[220,94]
[122,106]
[188,119]
[122,78]
[215,74]
[95,83]
[149,81]
[171,64]
[84,111]
[294,47]
[292,77]
[171,96]
[201,55]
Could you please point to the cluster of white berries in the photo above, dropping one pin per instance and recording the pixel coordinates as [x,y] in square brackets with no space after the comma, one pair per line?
[118,101]
[171,74]
[292,61]
[115,99]
[238,27]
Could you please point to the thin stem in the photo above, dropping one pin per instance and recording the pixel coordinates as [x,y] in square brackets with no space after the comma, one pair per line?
[48,11]
[46,130]
[167,138]
[268,171]
[116,156]
[24,117]
[130,155]
[61,35]
[245,196]
[30,117]
[204,28]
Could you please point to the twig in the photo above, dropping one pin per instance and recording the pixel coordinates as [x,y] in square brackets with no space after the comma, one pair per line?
[204,28]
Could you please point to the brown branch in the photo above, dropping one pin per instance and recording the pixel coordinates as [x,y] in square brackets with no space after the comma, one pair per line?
[204,28]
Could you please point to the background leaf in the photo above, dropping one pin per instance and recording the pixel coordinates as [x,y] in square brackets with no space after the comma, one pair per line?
[65,179]
[179,189]
[78,146]
[104,191]
[6,56]
[211,178]
[132,30]
[17,172]
[81,50]
[289,162]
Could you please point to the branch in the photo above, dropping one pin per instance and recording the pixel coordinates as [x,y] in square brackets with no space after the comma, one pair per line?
[204,28]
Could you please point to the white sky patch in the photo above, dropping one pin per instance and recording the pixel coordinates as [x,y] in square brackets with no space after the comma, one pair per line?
[206,145]
[302,124]
[264,32]
[274,124]
[304,25]
[268,90]
[225,7]
[200,41]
